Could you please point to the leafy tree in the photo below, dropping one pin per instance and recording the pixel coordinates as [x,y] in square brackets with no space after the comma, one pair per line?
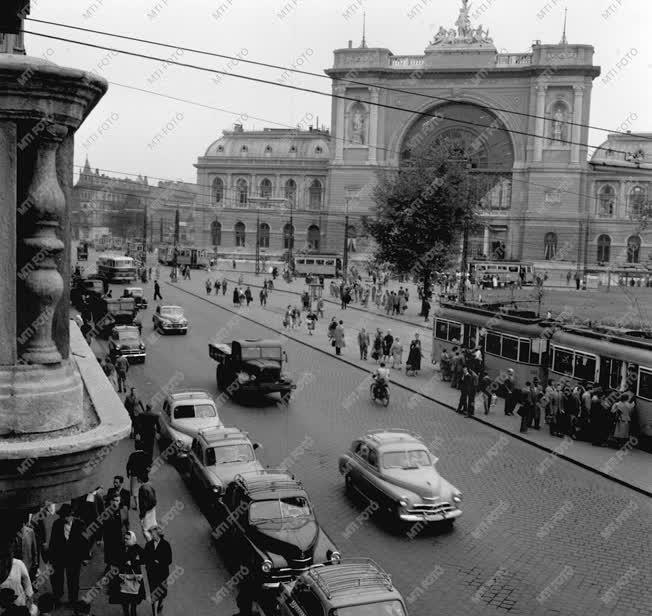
[421,211]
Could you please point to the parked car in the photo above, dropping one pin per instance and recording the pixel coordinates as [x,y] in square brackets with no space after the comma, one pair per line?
[84,291]
[251,366]
[270,525]
[394,469]
[139,297]
[353,587]
[168,319]
[125,340]
[216,456]
[110,312]
[184,414]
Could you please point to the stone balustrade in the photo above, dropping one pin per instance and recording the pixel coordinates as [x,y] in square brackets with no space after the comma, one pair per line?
[406,61]
[513,59]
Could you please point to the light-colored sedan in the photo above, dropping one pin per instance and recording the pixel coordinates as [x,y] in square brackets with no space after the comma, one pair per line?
[396,473]
[170,319]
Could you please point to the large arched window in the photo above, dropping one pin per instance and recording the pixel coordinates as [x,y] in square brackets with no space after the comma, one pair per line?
[315,195]
[263,235]
[218,190]
[266,188]
[216,233]
[242,191]
[288,237]
[637,199]
[291,192]
[239,234]
[604,249]
[550,246]
[633,249]
[606,202]
[313,237]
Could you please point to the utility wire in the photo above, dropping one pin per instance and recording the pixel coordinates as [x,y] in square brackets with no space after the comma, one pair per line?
[321,76]
[438,116]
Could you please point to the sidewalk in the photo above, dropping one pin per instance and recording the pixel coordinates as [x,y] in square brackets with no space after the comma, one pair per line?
[629,466]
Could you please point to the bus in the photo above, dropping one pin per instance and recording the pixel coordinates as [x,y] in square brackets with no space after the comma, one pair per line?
[115,268]
[326,265]
[194,257]
[505,272]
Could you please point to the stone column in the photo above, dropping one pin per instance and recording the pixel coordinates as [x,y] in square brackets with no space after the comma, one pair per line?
[373,125]
[577,119]
[340,129]
[540,123]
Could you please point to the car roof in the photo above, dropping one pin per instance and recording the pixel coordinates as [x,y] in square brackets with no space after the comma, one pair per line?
[350,578]
[171,306]
[392,436]
[125,328]
[134,288]
[259,342]
[222,436]
[189,394]
[266,483]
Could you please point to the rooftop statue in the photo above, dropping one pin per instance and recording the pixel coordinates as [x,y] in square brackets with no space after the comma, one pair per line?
[465,34]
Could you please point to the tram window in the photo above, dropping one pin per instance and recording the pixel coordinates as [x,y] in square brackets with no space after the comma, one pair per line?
[584,367]
[645,384]
[310,261]
[524,351]
[441,329]
[611,373]
[455,332]
[319,261]
[563,362]
[510,348]
[492,344]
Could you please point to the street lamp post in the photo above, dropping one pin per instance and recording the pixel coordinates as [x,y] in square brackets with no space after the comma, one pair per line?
[345,260]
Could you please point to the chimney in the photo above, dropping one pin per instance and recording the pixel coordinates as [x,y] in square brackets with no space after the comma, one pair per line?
[350,44]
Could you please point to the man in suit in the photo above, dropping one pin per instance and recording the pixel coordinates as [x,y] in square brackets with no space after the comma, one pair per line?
[509,385]
[68,550]
[528,401]
[117,488]
[158,558]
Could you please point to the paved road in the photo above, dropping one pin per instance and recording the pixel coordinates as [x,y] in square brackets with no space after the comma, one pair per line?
[561,541]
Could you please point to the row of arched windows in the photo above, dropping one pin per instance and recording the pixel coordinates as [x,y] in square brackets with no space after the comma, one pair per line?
[313,235]
[633,248]
[636,201]
[266,189]
[244,149]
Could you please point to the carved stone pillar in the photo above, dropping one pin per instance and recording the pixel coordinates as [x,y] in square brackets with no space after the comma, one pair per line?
[577,119]
[340,129]
[540,123]
[373,125]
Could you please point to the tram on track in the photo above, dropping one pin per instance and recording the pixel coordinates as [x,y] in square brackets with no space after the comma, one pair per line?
[616,359]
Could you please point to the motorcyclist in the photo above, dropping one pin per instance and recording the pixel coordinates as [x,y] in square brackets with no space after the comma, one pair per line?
[381,379]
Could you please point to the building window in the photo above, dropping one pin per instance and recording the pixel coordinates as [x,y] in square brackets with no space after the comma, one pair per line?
[293,149]
[315,195]
[288,237]
[319,149]
[244,149]
[633,249]
[606,202]
[239,234]
[218,190]
[242,191]
[291,192]
[216,233]
[604,249]
[266,188]
[220,148]
[268,150]
[550,246]
[263,236]
[637,199]
[313,237]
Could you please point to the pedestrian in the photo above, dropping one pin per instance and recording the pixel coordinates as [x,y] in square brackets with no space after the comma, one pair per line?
[377,349]
[622,413]
[363,343]
[149,271]
[248,296]
[216,287]
[458,364]
[568,278]
[127,587]
[425,308]
[122,492]
[90,509]
[224,285]
[446,365]
[296,317]
[147,427]
[263,297]
[157,291]
[138,464]
[67,552]
[158,558]
[115,523]
[146,505]
[16,586]
[311,320]
[233,263]
[486,389]
[109,370]
[396,352]
[287,317]
[413,364]
[121,369]
[462,405]
[338,338]
[526,409]
[388,340]
[331,329]
[25,547]
[577,281]
[510,392]
[537,396]
[209,286]
[320,308]
[131,404]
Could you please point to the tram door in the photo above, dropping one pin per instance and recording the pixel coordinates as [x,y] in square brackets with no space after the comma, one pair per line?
[470,336]
[193,257]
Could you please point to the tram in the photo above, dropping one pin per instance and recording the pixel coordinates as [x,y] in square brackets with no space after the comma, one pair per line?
[327,265]
[618,360]
[505,272]
[194,257]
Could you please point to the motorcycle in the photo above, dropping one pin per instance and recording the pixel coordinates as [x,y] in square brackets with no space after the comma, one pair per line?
[379,390]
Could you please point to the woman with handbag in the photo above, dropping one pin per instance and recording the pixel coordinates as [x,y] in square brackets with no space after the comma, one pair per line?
[128,588]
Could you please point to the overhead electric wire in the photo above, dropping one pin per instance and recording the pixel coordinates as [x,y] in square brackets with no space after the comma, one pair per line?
[312,91]
[321,76]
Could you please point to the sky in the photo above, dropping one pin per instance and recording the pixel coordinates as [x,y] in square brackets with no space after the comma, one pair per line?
[126,132]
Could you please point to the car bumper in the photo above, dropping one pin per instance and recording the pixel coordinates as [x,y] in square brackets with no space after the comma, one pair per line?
[176,330]
[431,517]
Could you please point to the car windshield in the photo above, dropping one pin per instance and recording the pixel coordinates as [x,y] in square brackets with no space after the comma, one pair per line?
[226,454]
[279,509]
[264,353]
[171,311]
[415,458]
[136,292]
[384,608]
[194,411]
[131,334]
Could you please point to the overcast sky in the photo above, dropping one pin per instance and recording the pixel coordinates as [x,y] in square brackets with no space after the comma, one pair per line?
[304,34]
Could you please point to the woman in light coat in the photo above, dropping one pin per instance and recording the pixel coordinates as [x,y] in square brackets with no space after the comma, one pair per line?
[338,338]
[396,352]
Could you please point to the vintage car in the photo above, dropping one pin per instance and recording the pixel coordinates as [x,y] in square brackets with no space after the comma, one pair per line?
[269,524]
[84,291]
[184,414]
[251,366]
[125,340]
[216,456]
[352,587]
[139,297]
[394,470]
[170,319]
[111,312]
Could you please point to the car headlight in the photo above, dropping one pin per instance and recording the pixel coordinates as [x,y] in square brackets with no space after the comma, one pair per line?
[403,502]
[457,498]
[181,446]
[334,556]
[252,377]
[142,346]
[118,347]
[217,490]
[184,322]
[266,566]
[243,377]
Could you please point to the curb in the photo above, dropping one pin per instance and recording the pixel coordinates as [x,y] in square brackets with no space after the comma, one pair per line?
[518,437]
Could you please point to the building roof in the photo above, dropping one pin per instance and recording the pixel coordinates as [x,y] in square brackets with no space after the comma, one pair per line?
[638,145]
[272,143]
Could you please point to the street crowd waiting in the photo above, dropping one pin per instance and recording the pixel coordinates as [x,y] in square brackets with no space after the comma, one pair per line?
[580,411]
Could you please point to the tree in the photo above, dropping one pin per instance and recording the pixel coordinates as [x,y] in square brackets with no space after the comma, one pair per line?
[422,210]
